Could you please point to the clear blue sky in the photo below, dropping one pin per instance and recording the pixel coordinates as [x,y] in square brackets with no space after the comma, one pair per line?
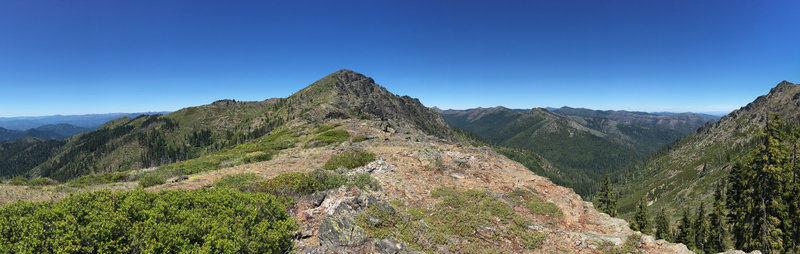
[73,57]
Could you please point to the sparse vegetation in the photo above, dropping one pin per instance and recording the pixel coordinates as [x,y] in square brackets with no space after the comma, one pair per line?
[465,215]
[39,181]
[535,204]
[96,179]
[204,221]
[349,160]
[297,184]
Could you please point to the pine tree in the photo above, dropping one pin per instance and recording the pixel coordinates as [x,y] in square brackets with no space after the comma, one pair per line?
[741,203]
[717,231]
[757,207]
[792,193]
[608,199]
[641,220]
[662,226]
[686,230]
[700,228]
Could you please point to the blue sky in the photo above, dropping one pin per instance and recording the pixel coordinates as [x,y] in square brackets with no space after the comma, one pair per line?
[74,57]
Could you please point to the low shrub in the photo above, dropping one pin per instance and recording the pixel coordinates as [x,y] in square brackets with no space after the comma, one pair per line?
[256,157]
[334,137]
[364,181]
[39,181]
[18,181]
[349,160]
[357,139]
[239,182]
[95,179]
[197,221]
[152,179]
[534,204]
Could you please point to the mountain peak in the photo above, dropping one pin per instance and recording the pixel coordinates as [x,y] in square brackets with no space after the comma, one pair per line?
[346,93]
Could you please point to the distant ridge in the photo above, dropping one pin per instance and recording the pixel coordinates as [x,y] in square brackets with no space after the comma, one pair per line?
[86,120]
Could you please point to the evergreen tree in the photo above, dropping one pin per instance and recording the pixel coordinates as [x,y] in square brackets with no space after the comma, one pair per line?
[792,192]
[700,228]
[717,231]
[662,226]
[608,199]
[686,230]
[641,220]
[757,207]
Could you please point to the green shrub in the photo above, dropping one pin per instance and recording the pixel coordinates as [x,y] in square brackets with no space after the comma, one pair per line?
[300,184]
[197,221]
[41,181]
[240,182]
[95,179]
[256,157]
[323,128]
[349,160]
[18,181]
[333,137]
[364,181]
[152,179]
[357,139]
[535,204]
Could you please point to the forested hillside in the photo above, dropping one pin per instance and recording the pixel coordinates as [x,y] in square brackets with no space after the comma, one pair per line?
[685,173]
[577,149]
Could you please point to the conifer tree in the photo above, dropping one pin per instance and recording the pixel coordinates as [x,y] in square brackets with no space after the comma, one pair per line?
[662,226]
[758,210]
[641,220]
[700,228]
[686,230]
[717,231]
[608,199]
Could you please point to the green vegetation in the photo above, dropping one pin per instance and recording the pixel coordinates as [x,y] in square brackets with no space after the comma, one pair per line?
[39,181]
[349,160]
[297,184]
[255,150]
[764,195]
[323,128]
[470,216]
[357,139]
[641,220]
[18,157]
[631,245]
[534,203]
[95,179]
[334,137]
[607,198]
[151,180]
[237,181]
[205,221]
[580,156]
[663,230]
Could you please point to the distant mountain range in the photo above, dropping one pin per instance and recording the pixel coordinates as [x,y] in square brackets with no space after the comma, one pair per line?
[50,131]
[87,121]
[581,145]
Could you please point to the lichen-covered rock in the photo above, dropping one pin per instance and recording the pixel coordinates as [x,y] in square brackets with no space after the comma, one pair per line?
[341,231]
